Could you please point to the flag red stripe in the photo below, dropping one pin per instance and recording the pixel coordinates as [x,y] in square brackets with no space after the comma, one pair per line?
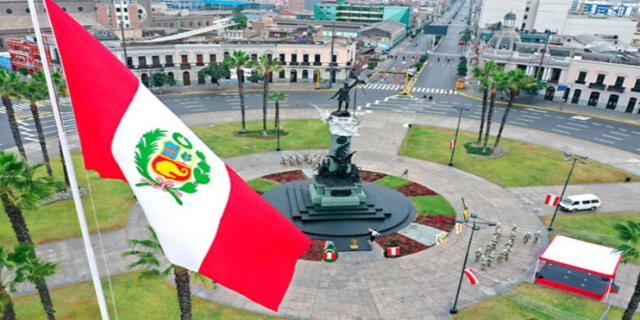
[471,276]
[263,259]
[99,101]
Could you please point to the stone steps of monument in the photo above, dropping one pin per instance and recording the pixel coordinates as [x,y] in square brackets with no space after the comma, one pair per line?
[306,211]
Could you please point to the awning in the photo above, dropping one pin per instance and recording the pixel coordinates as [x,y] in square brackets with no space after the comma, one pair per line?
[582,255]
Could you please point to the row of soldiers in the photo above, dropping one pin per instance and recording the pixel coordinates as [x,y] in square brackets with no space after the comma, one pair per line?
[488,253]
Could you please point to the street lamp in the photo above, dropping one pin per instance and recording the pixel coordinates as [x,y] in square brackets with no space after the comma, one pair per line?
[569,157]
[476,222]
[455,139]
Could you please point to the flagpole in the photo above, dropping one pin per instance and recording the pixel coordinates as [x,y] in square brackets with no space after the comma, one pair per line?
[93,267]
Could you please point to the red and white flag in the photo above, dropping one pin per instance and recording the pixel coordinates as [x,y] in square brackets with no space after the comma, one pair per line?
[452,144]
[206,217]
[471,275]
[393,251]
[551,200]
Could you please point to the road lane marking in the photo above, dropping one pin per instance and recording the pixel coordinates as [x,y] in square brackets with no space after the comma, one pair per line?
[612,137]
[619,133]
[568,128]
[525,120]
[561,131]
[577,125]
[605,141]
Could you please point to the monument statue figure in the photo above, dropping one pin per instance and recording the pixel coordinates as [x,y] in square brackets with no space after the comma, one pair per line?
[343,96]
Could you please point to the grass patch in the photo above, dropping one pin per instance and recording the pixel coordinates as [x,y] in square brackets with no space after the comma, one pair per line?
[473,149]
[433,205]
[261,185]
[154,299]
[392,182]
[592,227]
[271,133]
[113,200]
[525,164]
[225,142]
[528,301]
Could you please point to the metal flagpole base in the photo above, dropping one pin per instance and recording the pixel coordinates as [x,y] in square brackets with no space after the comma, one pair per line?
[453,310]
[549,228]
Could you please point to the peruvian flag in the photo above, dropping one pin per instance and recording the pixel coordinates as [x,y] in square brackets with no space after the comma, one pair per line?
[206,217]
[471,275]
[551,200]
[393,251]
[452,144]
[329,256]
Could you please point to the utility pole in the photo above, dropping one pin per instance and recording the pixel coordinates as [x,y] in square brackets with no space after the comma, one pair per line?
[544,50]
[455,139]
[574,158]
[333,39]
[124,45]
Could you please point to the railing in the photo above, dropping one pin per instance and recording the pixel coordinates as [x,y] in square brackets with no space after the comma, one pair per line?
[616,89]
[317,63]
[169,64]
[635,89]
[580,81]
[596,85]
[184,66]
[305,63]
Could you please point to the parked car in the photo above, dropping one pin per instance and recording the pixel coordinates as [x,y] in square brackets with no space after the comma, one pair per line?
[461,42]
[580,202]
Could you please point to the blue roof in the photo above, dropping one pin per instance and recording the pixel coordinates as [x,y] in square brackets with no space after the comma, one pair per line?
[228,2]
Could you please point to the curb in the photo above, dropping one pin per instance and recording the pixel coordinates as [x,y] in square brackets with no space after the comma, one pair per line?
[524,105]
[245,90]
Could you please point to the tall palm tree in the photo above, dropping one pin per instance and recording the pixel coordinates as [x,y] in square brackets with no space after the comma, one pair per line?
[18,266]
[148,253]
[9,84]
[276,97]
[61,91]
[495,81]
[237,60]
[19,188]
[34,89]
[482,74]
[265,66]
[629,234]
[514,82]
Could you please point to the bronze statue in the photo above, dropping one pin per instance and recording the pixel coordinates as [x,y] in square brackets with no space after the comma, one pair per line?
[343,96]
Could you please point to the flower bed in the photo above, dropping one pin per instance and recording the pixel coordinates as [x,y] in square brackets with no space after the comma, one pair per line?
[444,223]
[414,190]
[370,176]
[315,250]
[287,176]
[407,245]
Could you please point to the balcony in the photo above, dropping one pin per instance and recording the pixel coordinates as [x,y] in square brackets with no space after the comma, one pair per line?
[184,66]
[293,63]
[596,85]
[169,65]
[143,66]
[305,63]
[156,65]
[282,62]
[317,63]
[616,89]
[199,64]
[635,89]
[580,81]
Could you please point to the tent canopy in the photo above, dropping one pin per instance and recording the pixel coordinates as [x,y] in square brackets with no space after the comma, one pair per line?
[582,255]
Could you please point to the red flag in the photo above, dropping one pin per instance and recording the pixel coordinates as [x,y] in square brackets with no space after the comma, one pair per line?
[206,217]
[551,200]
[471,275]
[452,144]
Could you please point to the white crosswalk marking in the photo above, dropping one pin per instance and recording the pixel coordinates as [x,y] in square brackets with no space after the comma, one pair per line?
[395,87]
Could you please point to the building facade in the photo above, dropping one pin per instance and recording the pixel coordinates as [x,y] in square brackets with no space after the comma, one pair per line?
[301,62]
[362,12]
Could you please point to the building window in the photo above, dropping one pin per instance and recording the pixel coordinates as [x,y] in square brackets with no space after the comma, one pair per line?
[80,9]
[64,9]
[281,74]
[254,57]
[9,11]
[600,78]
[199,60]
[619,82]
[526,9]
[636,86]
[593,98]
[185,59]
[125,9]
[581,77]
[155,60]
[168,60]
[294,58]
[117,9]
[281,57]
[27,10]
[269,56]
[142,61]
[212,58]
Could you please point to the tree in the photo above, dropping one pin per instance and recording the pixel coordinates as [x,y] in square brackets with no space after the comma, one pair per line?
[34,89]
[462,68]
[148,253]
[216,71]
[241,19]
[277,97]
[19,187]
[482,75]
[61,91]
[629,234]
[238,60]
[495,80]
[9,85]
[160,79]
[514,82]
[265,67]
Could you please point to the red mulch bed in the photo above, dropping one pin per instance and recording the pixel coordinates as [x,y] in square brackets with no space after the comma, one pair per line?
[370,176]
[414,190]
[407,245]
[287,176]
[315,250]
[444,223]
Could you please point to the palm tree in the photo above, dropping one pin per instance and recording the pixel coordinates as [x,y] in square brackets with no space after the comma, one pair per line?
[265,66]
[148,253]
[61,91]
[19,188]
[239,59]
[514,82]
[35,89]
[9,83]
[277,97]
[482,74]
[629,234]
[494,80]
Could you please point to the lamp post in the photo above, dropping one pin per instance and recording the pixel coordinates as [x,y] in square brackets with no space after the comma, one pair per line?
[476,222]
[455,139]
[574,159]
[333,39]
[124,45]
[544,50]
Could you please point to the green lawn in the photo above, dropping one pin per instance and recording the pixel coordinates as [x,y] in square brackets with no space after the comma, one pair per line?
[303,134]
[113,200]
[392,182]
[262,185]
[528,301]
[135,299]
[592,227]
[525,165]
[433,205]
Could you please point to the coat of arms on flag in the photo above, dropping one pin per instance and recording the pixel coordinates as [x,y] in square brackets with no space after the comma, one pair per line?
[330,254]
[168,164]
[551,200]
[471,275]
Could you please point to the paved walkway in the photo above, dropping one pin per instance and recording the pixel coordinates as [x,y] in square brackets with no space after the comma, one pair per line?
[421,285]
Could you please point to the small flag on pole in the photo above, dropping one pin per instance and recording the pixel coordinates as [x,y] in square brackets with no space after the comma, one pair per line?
[452,144]
[393,252]
[551,200]
[471,275]
[330,254]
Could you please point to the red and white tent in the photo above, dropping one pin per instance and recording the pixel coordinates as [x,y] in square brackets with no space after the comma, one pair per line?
[579,267]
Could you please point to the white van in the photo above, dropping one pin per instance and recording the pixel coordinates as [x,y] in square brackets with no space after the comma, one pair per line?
[580,202]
